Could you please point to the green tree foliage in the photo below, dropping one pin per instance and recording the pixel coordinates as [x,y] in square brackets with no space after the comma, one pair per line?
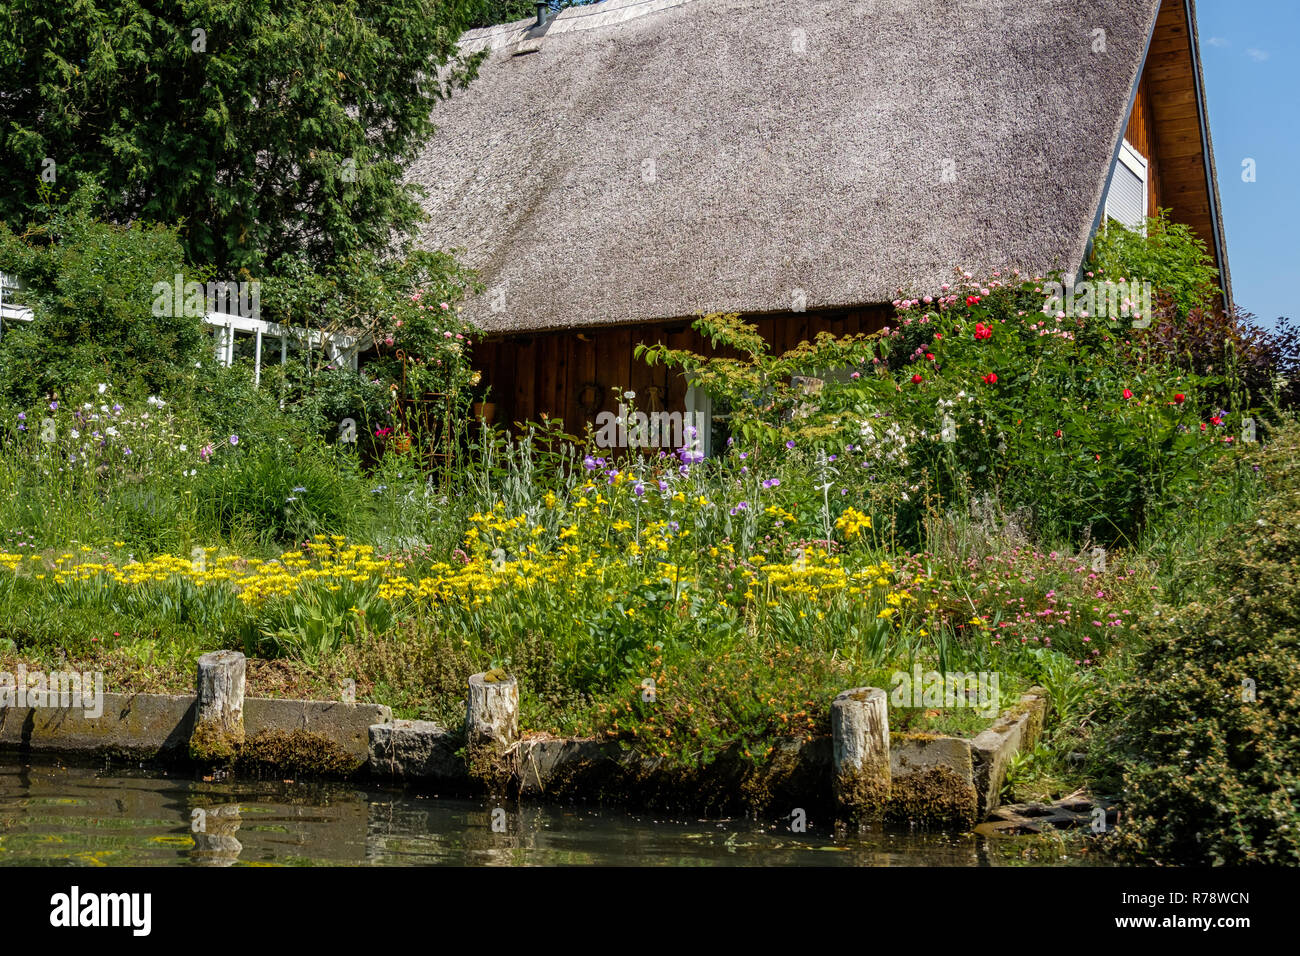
[266,129]
[90,286]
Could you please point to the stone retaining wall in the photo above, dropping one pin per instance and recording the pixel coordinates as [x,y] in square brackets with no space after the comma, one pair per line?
[935,780]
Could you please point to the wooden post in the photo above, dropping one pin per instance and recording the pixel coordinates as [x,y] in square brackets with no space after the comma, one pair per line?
[860,741]
[491,724]
[219,713]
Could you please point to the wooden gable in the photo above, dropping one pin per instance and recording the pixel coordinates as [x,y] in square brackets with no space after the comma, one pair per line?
[1168,124]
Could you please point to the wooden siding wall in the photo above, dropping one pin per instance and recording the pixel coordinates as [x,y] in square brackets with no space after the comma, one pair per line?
[546,372]
[1141,133]
[1170,84]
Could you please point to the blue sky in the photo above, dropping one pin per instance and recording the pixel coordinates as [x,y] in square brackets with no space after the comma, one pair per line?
[1250,52]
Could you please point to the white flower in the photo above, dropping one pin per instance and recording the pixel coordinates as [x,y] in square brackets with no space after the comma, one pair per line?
[74,433]
[102,388]
[183,448]
[156,401]
[111,431]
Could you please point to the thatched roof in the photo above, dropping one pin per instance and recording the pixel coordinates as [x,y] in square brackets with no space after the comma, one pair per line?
[655,159]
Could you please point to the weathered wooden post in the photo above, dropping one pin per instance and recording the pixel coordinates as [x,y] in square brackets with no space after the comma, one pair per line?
[860,740]
[491,724]
[219,715]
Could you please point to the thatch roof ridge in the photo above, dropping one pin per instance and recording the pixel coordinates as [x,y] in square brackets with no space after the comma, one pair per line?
[744,155]
[586,17]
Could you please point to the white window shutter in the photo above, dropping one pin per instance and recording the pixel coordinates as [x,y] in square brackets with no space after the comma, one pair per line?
[1126,194]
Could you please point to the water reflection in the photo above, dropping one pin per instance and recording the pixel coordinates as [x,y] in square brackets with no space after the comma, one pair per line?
[53,814]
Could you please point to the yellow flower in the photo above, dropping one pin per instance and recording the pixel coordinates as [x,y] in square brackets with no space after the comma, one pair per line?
[852,522]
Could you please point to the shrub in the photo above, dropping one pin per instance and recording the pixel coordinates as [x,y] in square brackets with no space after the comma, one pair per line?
[1209,730]
[331,397]
[90,284]
[1244,365]
[1170,256]
[975,391]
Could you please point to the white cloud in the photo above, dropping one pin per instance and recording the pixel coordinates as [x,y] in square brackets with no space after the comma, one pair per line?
[1259,56]
[1217,41]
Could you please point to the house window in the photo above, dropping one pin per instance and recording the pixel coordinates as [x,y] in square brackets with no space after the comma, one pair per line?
[1126,194]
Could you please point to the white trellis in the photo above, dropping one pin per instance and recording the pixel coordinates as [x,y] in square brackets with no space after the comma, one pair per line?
[341,349]
[226,327]
[11,312]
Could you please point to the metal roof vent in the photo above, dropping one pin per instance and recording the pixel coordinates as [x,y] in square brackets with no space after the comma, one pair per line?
[532,41]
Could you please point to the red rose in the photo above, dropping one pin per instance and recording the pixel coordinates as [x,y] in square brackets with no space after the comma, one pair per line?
[1180,398]
[990,379]
[916,380]
[972,299]
[1057,433]
[1216,420]
[1127,393]
[929,356]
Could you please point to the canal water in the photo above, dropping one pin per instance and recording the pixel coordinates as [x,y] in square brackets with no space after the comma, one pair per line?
[58,815]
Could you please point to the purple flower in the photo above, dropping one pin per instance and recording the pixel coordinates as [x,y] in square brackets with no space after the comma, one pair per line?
[22,416]
[772,483]
[663,485]
[790,444]
[54,406]
[589,463]
[684,469]
[234,439]
[638,489]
